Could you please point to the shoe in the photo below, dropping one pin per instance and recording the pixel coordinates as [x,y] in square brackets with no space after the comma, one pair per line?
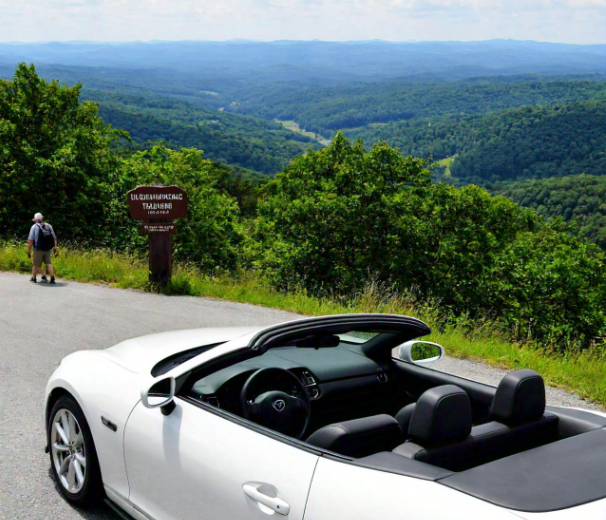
[33,280]
[43,278]
[52,280]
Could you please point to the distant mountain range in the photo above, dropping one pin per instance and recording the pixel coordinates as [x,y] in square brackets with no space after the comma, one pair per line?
[318,61]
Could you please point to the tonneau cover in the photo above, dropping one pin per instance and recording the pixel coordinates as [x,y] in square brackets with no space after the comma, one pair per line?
[560,475]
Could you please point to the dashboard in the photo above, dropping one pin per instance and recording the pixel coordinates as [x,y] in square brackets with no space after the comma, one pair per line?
[228,395]
[341,382]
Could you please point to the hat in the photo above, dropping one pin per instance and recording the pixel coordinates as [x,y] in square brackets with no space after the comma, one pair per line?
[38,216]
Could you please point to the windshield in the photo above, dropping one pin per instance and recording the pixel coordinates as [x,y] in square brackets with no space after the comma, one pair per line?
[357,336]
[167,364]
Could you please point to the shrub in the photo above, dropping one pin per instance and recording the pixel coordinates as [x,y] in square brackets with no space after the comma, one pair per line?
[210,236]
[338,217]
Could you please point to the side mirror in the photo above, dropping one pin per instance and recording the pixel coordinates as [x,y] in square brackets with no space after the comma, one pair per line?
[421,352]
[160,393]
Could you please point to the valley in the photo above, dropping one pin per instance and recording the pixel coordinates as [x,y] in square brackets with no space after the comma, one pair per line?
[294,127]
[537,112]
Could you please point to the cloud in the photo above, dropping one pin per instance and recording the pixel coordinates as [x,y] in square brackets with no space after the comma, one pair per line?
[577,21]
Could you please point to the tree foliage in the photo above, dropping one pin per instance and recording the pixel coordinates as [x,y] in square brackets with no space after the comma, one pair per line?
[244,141]
[326,217]
[536,142]
[55,157]
[517,144]
[578,199]
[324,110]
[342,216]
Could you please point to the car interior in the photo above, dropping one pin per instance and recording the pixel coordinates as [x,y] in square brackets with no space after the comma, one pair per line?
[336,398]
[343,392]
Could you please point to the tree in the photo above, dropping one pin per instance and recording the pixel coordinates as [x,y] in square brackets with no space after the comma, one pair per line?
[578,199]
[211,234]
[324,220]
[55,157]
[340,217]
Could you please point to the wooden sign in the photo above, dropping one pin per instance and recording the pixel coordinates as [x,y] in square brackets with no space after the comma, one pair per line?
[150,227]
[158,206]
[157,202]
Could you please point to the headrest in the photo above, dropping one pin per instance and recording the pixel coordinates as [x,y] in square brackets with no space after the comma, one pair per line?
[359,437]
[442,415]
[520,397]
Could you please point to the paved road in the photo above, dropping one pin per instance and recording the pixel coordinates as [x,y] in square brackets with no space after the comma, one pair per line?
[40,324]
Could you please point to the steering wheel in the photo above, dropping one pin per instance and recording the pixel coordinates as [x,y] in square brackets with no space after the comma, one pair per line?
[280,411]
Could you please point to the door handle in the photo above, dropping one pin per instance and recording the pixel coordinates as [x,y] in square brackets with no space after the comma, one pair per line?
[267,503]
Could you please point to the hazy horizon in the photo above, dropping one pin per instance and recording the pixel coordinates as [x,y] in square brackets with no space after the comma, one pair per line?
[398,21]
[291,40]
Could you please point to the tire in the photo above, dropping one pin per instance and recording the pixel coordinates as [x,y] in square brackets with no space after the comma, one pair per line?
[74,463]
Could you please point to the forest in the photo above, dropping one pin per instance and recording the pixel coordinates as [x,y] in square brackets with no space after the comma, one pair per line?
[580,200]
[331,222]
[523,143]
[484,145]
[324,110]
[246,142]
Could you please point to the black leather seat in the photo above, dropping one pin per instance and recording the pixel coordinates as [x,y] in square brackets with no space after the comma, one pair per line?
[519,421]
[520,397]
[404,416]
[439,429]
[359,437]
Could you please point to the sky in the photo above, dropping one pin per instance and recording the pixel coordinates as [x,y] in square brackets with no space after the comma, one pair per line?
[567,21]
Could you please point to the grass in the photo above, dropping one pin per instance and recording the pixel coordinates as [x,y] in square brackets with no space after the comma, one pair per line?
[583,373]
[293,126]
[446,163]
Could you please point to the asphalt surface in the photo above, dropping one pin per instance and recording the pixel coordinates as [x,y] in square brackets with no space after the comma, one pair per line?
[40,324]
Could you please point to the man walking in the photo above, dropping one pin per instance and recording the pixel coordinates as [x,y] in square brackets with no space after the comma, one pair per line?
[44,241]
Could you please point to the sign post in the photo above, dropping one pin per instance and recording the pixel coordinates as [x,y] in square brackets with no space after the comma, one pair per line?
[158,207]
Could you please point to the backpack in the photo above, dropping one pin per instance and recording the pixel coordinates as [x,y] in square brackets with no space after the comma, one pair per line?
[46,240]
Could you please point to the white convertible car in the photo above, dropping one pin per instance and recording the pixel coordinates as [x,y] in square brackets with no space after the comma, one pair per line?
[315,419]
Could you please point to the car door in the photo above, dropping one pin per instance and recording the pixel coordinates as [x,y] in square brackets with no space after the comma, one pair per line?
[198,464]
[348,492]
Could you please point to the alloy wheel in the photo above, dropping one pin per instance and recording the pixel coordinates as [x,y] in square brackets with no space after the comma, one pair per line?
[68,451]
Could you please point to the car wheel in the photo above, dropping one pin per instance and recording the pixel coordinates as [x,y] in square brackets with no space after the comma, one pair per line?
[73,457]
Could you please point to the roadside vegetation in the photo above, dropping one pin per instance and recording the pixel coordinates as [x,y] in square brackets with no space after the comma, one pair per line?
[340,229]
[581,372]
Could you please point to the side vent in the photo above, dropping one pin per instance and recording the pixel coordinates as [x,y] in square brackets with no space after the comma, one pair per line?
[106,422]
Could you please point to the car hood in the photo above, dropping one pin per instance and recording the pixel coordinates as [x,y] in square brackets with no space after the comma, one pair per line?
[142,353]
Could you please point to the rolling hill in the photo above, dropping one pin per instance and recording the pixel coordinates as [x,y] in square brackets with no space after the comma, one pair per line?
[325,110]
[509,145]
[247,142]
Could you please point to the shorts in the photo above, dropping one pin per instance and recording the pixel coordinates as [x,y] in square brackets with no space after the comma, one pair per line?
[42,256]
